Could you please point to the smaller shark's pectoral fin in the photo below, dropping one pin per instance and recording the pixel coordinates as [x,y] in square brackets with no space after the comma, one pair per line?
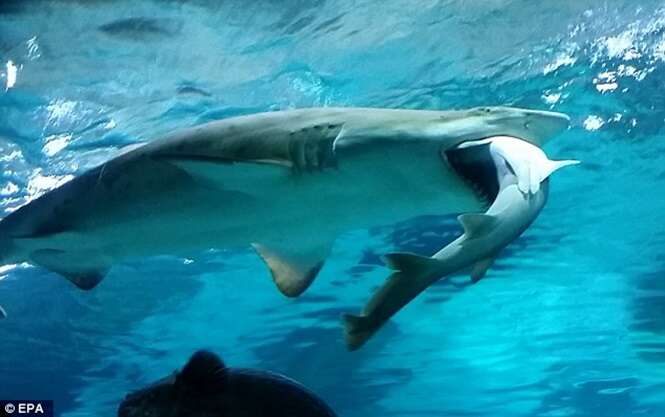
[480,268]
[293,271]
[84,270]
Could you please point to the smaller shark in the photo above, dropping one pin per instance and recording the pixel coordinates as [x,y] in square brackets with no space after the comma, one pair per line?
[207,388]
[3,313]
[520,170]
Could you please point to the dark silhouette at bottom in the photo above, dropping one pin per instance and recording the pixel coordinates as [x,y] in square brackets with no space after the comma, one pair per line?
[205,387]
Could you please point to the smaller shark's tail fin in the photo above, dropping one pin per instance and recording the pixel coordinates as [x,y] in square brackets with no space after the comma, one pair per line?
[412,274]
[357,330]
[3,314]
[556,165]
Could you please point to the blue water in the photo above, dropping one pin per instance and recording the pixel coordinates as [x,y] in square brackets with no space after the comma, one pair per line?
[569,322]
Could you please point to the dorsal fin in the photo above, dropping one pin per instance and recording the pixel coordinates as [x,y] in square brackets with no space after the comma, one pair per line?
[475,224]
[401,261]
[204,372]
[292,272]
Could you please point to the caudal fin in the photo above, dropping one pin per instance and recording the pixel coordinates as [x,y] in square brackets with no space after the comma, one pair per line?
[3,314]
[413,273]
[357,331]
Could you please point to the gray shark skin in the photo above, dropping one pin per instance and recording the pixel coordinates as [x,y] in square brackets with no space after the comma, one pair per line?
[523,186]
[207,388]
[287,183]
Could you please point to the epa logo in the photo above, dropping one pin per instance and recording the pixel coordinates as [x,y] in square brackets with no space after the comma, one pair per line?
[26,408]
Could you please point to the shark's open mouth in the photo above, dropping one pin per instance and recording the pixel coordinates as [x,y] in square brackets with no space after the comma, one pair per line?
[489,165]
[475,165]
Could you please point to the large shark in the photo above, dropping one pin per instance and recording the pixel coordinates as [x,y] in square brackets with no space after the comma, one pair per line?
[287,183]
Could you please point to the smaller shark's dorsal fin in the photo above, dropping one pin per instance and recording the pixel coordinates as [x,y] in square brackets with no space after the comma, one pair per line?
[475,224]
[205,372]
[293,272]
[414,264]
[83,270]
[480,268]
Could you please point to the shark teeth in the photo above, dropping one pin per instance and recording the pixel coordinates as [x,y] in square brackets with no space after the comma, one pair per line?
[475,167]
[480,192]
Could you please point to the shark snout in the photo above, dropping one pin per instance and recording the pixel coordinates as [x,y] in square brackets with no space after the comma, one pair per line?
[546,124]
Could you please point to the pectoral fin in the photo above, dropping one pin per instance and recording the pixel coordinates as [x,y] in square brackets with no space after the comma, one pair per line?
[480,269]
[85,270]
[293,271]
